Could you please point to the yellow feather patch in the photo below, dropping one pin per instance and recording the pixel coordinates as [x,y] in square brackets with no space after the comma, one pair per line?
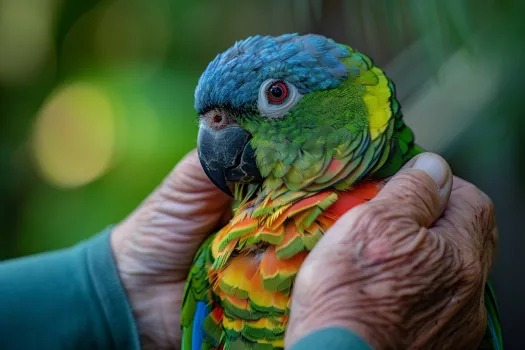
[265,298]
[232,324]
[235,278]
[377,100]
[278,343]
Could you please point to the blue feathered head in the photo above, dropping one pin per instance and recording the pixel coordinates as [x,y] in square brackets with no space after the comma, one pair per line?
[232,80]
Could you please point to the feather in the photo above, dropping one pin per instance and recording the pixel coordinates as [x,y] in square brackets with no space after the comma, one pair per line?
[198,330]
[291,244]
[277,274]
[360,194]
[212,326]
[493,337]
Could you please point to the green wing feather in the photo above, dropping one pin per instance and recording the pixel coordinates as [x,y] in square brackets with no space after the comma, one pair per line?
[493,339]
[197,289]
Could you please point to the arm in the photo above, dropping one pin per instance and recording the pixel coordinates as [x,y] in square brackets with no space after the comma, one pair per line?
[331,338]
[68,299]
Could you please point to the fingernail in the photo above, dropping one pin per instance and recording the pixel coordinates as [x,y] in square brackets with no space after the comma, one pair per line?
[433,166]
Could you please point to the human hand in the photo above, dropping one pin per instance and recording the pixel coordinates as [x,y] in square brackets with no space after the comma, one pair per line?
[155,245]
[400,274]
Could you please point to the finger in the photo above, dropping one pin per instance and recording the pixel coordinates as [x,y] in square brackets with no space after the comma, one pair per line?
[188,184]
[469,223]
[420,191]
[173,221]
[186,194]
[469,200]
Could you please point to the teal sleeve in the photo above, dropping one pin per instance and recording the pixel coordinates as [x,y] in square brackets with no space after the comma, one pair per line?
[68,299]
[332,338]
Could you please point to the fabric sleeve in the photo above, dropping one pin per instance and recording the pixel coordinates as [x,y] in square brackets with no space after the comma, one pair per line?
[67,299]
[332,338]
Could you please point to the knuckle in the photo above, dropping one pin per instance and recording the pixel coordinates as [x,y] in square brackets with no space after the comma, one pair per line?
[480,200]
[413,182]
[485,204]
[486,201]
[481,214]
[413,191]
[474,271]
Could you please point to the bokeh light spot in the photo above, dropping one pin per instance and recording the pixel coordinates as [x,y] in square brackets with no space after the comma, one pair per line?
[74,136]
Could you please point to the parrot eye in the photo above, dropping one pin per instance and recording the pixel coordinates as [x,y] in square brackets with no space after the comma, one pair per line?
[276,98]
[277,92]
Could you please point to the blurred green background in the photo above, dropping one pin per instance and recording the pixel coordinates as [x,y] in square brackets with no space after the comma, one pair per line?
[97,102]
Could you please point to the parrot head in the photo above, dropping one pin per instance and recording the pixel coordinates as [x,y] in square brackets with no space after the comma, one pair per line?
[295,111]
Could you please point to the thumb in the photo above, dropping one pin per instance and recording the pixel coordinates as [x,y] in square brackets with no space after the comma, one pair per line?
[421,189]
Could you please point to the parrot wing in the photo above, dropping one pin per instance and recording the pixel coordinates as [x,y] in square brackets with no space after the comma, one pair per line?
[493,338]
[197,299]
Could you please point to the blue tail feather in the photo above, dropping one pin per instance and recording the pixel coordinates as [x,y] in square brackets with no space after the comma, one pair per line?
[197,334]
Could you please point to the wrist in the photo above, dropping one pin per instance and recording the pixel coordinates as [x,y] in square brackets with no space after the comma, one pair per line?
[373,327]
[155,305]
[332,338]
[156,309]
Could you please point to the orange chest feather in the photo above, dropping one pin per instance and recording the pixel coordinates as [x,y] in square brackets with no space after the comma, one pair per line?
[257,258]
[274,240]
[271,247]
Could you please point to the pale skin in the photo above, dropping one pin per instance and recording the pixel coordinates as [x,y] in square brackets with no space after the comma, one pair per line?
[407,269]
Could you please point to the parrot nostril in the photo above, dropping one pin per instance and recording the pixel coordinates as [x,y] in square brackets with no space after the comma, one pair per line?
[217,119]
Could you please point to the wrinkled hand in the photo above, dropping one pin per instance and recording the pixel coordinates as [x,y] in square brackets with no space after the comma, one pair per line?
[397,273]
[155,245]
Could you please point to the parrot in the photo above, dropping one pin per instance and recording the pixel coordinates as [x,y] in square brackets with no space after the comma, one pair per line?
[297,129]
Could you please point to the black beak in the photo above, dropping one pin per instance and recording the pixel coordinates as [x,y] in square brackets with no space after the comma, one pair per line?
[226,155]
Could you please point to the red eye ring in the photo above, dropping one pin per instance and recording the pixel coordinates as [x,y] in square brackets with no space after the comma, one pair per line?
[277,92]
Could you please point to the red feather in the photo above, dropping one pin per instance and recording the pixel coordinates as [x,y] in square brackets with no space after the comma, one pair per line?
[347,200]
